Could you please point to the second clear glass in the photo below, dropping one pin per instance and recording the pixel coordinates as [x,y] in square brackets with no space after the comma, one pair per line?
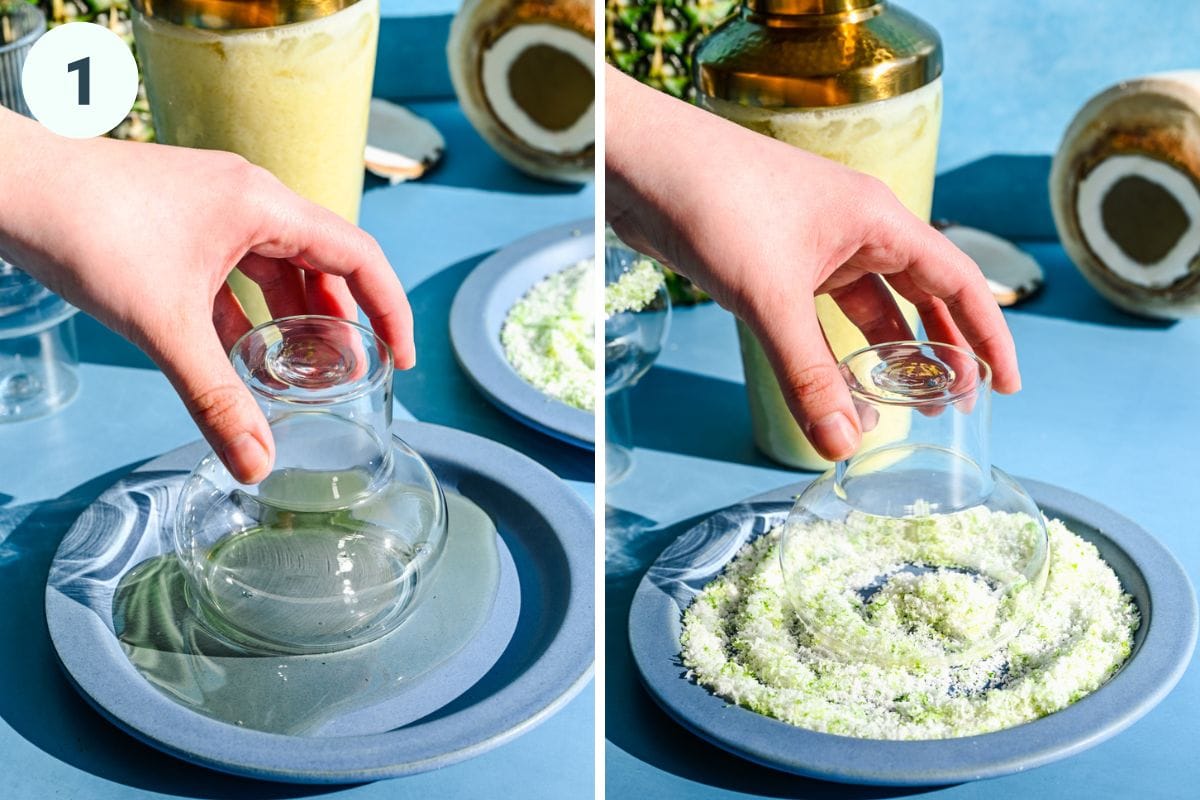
[632,340]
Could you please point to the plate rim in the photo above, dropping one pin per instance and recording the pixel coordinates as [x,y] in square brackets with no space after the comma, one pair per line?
[549,681]
[1089,721]
[474,351]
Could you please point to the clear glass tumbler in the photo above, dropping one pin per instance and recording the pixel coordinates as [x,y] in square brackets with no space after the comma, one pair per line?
[632,340]
[916,550]
[336,546]
[38,356]
[21,24]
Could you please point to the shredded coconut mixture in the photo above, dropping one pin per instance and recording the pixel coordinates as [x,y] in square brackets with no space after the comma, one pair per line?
[549,336]
[634,290]
[915,589]
[740,641]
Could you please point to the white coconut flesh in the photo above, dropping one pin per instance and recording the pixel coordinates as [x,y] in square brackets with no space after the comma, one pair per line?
[1141,218]
[539,81]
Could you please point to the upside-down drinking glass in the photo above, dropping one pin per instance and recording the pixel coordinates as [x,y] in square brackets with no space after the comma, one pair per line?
[917,533]
[337,545]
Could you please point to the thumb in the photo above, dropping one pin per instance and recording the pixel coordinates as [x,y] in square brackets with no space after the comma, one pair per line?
[812,385]
[220,404]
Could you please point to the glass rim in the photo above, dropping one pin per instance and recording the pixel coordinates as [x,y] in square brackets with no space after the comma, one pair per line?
[30,13]
[354,390]
[979,386]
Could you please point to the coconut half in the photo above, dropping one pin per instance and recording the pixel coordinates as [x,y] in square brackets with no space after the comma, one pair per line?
[1012,274]
[525,75]
[1125,192]
[401,146]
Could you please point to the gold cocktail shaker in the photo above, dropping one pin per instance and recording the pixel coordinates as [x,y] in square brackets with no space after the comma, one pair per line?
[855,81]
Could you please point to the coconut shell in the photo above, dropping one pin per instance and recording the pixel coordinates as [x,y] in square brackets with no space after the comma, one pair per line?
[1156,117]
[478,25]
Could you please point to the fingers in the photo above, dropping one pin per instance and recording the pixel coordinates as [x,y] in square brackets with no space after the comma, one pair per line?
[229,318]
[870,306]
[941,270]
[317,239]
[329,295]
[195,364]
[939,325]
[281,283]
[946,285]
[813,387]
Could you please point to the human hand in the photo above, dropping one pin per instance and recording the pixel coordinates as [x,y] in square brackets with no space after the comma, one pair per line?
[708,197]
[163,229]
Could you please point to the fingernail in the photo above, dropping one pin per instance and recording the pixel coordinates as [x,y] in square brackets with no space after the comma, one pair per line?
[834,435]
[247,459]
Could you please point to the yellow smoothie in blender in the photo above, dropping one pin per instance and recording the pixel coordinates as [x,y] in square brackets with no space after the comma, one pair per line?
[286,86]
[820,79]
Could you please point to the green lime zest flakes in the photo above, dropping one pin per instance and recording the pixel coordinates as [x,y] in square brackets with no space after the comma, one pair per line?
[634,290]
[742,641]
[549,336]
[875,603]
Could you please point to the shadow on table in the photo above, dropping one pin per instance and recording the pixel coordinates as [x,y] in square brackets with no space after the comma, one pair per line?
[438,391]
[638,726]
[37,701]
[1009,196]
[1067,295]
[1004,193]
[697,415]
[99,345]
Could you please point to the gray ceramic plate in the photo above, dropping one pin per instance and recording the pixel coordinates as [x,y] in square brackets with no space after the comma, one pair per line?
[1162,647]
[480,308]
[546,531]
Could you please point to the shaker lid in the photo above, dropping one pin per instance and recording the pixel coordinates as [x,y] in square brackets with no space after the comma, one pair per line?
[221,15]
[817,53]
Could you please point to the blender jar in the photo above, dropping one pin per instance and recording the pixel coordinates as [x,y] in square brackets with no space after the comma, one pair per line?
[284,83]
[21,24]
[336,546]
[855,81]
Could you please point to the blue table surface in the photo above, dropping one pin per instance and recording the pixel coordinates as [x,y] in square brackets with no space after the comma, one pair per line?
[434,231]
[1107,410]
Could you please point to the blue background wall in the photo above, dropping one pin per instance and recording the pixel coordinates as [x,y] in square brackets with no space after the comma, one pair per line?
[1016,73]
